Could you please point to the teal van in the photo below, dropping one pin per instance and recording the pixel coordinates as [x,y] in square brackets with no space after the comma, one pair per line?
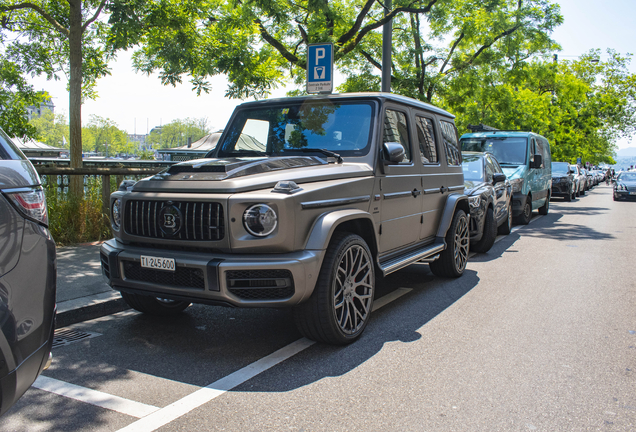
[527,162]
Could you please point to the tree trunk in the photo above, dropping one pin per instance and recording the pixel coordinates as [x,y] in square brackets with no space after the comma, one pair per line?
[75,94]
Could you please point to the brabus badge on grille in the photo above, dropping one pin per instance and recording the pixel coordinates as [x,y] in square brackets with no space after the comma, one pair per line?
[169,219]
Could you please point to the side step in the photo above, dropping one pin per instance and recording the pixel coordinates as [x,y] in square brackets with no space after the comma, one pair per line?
[399,262]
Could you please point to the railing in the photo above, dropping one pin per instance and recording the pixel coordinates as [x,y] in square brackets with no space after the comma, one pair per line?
[52,168]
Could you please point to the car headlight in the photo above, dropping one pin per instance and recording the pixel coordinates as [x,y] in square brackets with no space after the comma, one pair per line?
[260,220]
[474,201]
[517,185]
[116,214]
[32,204]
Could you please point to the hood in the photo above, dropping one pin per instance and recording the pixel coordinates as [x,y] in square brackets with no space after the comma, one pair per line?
[513,172]
[471,186]
[244,174]
[17,173]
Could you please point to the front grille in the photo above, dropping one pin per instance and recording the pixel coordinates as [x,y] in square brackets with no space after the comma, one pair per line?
[184,277]
[105,266]
[260,284]
[198,220]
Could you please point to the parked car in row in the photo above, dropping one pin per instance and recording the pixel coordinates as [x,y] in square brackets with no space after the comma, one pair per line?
[580,180]
[27,276]
[526,160]
[490,198]
[625,186]
[563,184]
[326,190]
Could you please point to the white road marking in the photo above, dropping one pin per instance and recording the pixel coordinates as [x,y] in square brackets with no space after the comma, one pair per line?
[194,400]
[94,397]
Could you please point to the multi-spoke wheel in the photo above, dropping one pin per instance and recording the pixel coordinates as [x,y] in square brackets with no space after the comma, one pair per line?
[526,215]
[452,261]
[340,306]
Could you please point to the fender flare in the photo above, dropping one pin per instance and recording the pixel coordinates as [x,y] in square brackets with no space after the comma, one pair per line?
[453,202]
[326,224]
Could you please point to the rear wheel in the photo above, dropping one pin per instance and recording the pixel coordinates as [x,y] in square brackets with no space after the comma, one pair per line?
[506,227]
[452,261]
[340,307]
[489,234]
[545,208]
[154,305]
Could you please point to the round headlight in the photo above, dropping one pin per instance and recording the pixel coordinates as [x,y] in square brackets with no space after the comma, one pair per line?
[116,214]
[260,220]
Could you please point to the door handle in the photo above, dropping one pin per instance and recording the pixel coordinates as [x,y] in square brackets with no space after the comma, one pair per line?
[443,189]
[416,192]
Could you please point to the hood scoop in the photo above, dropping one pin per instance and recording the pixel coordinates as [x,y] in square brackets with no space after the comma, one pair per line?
[221,169]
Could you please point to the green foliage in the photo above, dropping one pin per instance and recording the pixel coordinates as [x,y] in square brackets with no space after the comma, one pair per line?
[75,220]
[104,136]
[15,96]
[52,129]
[178,132]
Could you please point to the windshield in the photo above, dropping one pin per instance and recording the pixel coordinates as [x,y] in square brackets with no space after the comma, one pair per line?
[507,150]
[560,168]
[627,177]
[473,167]
[292,128]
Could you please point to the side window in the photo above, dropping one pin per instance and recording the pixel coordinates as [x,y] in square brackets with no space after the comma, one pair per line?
[539,151]
[396,129]
[426,139]
[547,157]
[451,143]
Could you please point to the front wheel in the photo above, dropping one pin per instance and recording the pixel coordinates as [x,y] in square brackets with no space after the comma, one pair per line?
[489,234]
[506,227]
[526,214]
[154,305]
[452,261]
[340,307]
[545,208]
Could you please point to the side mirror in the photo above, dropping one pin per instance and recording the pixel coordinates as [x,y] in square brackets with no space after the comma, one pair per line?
[126,185]
[394,152]
[498,177]
[538,161]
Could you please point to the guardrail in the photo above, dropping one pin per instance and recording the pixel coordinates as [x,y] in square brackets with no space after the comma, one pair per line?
[108,168]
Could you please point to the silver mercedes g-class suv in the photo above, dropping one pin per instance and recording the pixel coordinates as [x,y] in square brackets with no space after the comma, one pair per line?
[302,202]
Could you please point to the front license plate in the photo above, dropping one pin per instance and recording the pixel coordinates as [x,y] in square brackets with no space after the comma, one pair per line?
[158,263]
[632,193]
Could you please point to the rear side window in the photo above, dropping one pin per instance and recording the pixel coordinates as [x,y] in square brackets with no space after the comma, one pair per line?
[396,129]
[8,150]
[426,138]
[451,143]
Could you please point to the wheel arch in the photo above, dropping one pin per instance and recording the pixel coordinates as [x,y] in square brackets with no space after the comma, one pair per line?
[453,202]
[350,220]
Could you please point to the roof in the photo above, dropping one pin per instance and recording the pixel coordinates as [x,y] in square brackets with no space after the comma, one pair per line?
[34,145]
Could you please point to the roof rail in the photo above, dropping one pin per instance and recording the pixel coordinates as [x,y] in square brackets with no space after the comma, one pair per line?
[481,128]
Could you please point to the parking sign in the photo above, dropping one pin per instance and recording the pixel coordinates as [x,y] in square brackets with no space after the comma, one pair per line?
[320,68]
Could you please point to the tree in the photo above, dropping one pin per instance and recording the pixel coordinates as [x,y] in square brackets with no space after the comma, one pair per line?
[16,94]
[179,133]
[104,136]
[52,129]
[53,36]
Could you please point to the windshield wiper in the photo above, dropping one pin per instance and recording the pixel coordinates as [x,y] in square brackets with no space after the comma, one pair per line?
[323,151]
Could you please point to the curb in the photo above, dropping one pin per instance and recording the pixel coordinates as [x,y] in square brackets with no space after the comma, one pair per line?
[90,311]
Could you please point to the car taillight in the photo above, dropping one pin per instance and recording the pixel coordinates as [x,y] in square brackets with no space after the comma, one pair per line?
[31,204]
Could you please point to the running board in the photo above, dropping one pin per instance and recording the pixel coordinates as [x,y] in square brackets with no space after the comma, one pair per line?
[427,254]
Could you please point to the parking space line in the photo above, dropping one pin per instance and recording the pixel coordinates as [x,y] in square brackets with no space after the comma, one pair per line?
[94,397]
[194,400]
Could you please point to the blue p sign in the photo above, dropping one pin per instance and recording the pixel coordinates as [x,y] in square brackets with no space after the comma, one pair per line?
[319,68]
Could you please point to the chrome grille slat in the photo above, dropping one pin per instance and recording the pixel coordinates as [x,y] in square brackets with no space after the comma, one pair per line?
[201,221]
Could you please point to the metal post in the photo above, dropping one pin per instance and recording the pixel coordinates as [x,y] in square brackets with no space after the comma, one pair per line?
[387,41]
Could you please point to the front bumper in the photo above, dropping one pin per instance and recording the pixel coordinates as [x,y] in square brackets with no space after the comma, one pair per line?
[625,194]
[561,189]
[242,280]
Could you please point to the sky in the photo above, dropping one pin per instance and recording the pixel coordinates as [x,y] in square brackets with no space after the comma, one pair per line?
[138,102]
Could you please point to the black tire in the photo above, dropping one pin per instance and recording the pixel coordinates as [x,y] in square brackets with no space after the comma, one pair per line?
[154,305]
[568,198]
[582,192]
[526,214]
[545,208]
[327,315]
[506,227]
[452,261]
[489,234]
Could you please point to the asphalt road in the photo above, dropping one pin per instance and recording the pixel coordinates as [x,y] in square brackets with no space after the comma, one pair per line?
[538,335]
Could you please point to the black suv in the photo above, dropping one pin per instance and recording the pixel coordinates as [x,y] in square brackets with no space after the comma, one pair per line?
[563,184]
[27,276]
